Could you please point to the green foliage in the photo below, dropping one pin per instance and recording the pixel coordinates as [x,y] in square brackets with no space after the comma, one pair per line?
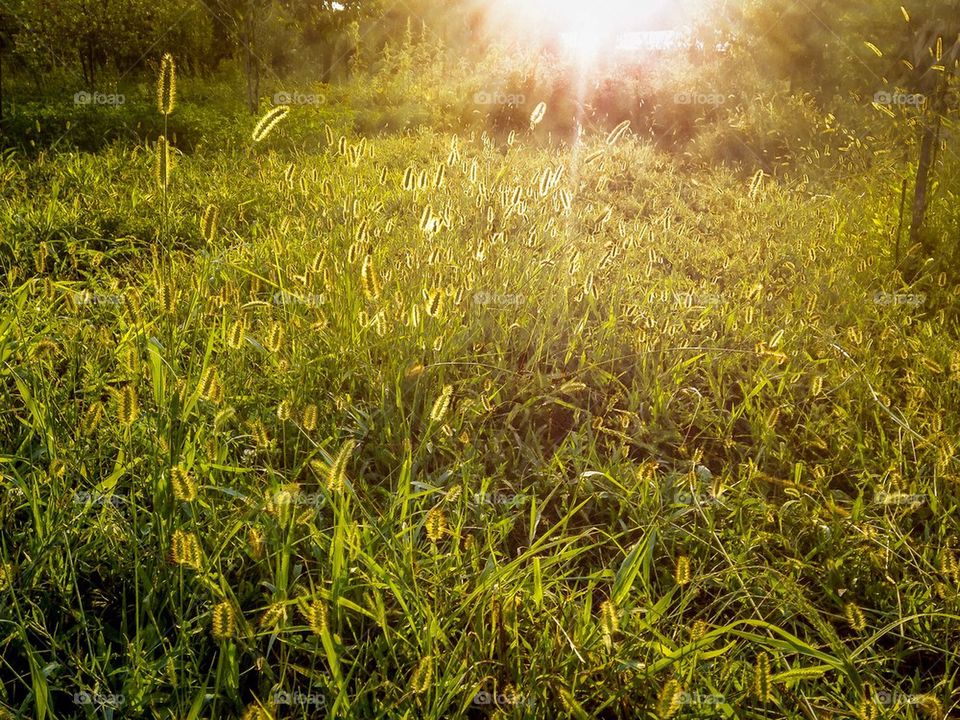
[56,33]
[522,416]
[419,407]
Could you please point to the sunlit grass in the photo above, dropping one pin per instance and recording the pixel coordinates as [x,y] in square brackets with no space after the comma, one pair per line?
[426,425]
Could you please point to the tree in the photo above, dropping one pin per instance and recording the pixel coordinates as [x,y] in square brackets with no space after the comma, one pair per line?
[96,33]
[933,65]
[8,30]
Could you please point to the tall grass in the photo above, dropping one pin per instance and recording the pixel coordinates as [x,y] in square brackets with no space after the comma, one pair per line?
[432,426]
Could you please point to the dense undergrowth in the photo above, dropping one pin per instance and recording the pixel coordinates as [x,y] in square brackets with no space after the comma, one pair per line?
[435,425]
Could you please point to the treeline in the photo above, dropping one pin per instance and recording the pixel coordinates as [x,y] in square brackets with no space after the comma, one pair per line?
[106,39]
[819,46]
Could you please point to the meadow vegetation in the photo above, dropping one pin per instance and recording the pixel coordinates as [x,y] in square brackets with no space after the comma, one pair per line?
[385,407]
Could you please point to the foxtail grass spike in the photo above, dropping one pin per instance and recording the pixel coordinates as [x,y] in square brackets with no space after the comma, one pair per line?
[167,85]
[269,121]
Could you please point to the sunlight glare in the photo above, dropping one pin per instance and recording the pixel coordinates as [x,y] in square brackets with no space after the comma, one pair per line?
[589,29]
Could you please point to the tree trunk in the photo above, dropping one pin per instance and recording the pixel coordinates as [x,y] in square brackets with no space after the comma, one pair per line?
[922,185]
[92,64]
[936,84]
[903,202]
[252,69]
[928,141]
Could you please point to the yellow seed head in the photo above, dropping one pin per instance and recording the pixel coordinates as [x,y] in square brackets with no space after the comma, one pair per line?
[46,347]
[441,405]
[510,694]
[369,279]
[92,418]
[70,301]
[184,486]
[275,614]
[255,541]
[208,223]
[269,121]
[254,712]
[670,699]
[955,363]
[338,469]
[353,253]
[185,549]
[275,337]
[817,386]
[309,421]
[436,524]
[536,117]
[128,405]
[223,417]
[40,258]
[682,570]
[362,232]
[761,678]
[618,132]
[422,676]
[260,435]
[167,297]
[224,623]
[930,707]
[949,565]
[453,494]
[698,630]
[609,621]
[855,617]
[434,304]
[317,617]
[167,85]
[131,303]
[210,384]
[316,267]
[236,334]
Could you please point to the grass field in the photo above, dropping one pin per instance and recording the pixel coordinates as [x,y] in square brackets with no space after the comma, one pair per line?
[427,426]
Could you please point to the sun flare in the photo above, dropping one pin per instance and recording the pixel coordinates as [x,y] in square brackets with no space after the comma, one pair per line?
[590,30]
